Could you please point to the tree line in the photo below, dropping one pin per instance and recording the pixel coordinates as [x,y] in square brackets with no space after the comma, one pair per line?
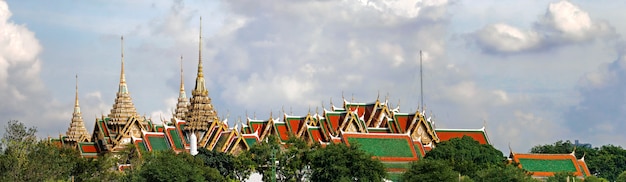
[25,158]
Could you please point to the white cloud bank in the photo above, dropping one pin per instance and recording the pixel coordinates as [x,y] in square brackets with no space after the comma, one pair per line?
[21,90]
[563,23]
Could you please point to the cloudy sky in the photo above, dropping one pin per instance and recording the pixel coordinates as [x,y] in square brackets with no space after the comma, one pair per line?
[534,71]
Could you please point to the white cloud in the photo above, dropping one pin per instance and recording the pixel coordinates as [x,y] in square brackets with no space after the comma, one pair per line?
[505,38]
[563,23]
[22,92]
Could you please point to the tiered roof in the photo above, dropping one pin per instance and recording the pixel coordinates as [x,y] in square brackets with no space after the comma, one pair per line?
[201,112]
[546,165]
[77,131]
[182,107]
[123,108]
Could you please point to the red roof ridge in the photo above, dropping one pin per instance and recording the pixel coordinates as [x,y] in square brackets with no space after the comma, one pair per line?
[456,129]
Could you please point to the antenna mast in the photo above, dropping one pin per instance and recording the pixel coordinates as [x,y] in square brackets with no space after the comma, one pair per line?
[421,82]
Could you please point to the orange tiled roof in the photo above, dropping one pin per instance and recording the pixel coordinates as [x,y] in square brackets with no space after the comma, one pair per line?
[477,134]
[545,165]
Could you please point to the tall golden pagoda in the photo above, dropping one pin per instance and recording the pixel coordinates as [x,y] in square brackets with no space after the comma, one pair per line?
[201,113]
[123,108]
[77,131]
[182,107]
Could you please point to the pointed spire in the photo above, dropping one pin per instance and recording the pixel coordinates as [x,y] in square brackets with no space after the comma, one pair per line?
[123,87]
[201,112]
[77,131]
[123,108]
[182,83]
[200,88]
[76,106]
[182,107]
[200,74]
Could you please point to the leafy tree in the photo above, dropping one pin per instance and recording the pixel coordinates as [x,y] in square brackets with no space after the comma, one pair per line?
[427,170]
[296,160]
[243,166]
[169,166]
[223,162]
[103,168]
[466,155]
[561,177]
[501,172]
[621,177]
[261,154]
[18,141]
[17,132]
[609,162]
[595,179]
[47,161]
[338,162]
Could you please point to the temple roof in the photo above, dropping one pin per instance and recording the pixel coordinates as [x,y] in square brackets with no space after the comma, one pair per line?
[77,131]
[545,165]
[201,111]
[479,135]
[386,147]
[123,108]
[182,107]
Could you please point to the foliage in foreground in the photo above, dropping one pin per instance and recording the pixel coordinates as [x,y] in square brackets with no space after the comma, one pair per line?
[302,162]
[466,156]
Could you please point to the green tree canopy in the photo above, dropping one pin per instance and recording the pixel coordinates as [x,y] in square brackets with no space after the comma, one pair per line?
[561,177]
[430,170]
[508,173]
[466,155]
[223,162]
[621,176]
[338,162]
[169,166]
[595,179]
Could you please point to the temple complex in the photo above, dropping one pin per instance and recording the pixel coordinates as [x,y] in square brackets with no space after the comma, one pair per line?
[395,137]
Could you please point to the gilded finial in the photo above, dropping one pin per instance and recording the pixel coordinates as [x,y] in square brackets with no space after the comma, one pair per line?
[200,74]
[76,99]
[122,76]
[182,86]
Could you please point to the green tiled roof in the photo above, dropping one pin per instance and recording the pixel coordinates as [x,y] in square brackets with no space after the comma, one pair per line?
[250,141]
[178,143]
[384,147]
[158,143]
[142,146]
[551,165]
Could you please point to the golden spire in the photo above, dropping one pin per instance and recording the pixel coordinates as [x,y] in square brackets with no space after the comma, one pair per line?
[200,88]
[201,112]
[123,87]
[200,74]
[76,107]
[182,84]
[123,108]
[76,132]
[183,102]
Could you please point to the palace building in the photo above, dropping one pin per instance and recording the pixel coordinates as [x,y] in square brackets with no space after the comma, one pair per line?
[396,138]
